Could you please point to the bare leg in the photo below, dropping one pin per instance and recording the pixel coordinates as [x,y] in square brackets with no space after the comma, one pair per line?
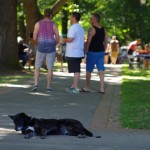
[76,80]
[49,78]
[61,63]
[106,59]
[112,60]
[115,59]
[101,75]
[88,78]
[36,76]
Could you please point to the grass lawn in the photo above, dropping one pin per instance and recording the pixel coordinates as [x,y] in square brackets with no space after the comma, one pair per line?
[15,77]
[135,99]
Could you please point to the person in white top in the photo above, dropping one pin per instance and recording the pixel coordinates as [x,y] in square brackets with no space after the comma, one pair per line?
[74,50]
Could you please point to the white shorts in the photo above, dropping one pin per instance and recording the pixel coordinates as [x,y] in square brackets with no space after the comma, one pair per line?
[49,57]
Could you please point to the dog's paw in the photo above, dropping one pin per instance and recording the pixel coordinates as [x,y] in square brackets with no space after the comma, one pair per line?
[81,136]
[27,136]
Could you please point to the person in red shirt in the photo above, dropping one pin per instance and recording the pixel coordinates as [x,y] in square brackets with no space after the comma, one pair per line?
[132,46]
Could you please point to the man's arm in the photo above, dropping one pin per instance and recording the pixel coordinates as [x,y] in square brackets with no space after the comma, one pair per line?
[89,38]
[71,35]
[67,40]
[57,37]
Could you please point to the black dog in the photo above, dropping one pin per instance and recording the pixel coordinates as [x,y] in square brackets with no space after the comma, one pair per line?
[42,127]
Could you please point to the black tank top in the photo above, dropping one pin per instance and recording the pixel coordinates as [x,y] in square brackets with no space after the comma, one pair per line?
[97,42]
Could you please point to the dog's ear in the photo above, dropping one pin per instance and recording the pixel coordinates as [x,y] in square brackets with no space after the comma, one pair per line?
[12,117]
[22,115]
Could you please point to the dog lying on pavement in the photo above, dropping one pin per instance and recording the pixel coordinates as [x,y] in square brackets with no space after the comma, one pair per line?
[32,126]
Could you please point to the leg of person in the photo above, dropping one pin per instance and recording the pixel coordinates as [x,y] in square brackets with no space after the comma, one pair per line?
[74,67]
[116,56]
[113,57]
[50,59]
[87,81]
[38,63]
[146,63]
[36,75]
[112,60]
[49,80]
[101,75]
[61,66]
[77,69]
[24,59]
[106,59]
[90,63]
[101,68]
[76,80]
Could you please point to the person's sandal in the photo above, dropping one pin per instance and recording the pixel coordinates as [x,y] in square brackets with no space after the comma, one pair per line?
[83,90]
[101,92]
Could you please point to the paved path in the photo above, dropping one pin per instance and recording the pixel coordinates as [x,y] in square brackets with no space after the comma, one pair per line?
[99,113]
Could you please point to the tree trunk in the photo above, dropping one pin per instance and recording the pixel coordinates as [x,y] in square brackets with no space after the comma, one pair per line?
[64,22]
[8,35]
[58,5]
[32,15]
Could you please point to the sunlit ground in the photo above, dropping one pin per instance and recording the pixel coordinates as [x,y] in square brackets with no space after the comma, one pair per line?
[111,76]
[5,132]
[15,85]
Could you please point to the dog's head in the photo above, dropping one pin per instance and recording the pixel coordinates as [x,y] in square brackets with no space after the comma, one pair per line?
[21,121]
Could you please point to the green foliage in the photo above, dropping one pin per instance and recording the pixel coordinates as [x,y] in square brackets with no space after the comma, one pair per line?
[45,4]
[127,19]
[135,98]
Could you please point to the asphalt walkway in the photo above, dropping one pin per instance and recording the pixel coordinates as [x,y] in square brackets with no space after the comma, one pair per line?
[99,113]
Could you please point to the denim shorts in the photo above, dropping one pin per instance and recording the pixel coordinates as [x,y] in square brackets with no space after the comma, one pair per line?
[95,58]
[49,57]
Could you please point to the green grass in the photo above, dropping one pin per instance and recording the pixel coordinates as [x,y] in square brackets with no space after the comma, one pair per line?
[23,75]
[15,77]
[135,99]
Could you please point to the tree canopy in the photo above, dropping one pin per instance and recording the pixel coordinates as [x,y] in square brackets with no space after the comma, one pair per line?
[127,19]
